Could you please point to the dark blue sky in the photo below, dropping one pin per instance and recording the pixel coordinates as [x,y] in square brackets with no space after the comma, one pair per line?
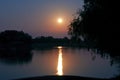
[38,17]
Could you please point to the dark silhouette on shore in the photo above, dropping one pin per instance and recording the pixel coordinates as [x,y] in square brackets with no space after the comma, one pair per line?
[15,47]
[50,41]
[13,37]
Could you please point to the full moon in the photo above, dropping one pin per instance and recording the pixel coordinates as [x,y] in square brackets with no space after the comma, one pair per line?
[59,20]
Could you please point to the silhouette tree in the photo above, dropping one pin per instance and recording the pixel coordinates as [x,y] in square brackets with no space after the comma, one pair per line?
[12,36]
[14,43]
[98,21]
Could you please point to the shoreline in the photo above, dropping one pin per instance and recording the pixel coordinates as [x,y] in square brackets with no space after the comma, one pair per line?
[65,77]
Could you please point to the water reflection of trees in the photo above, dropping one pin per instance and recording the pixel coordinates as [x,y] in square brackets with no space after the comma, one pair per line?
[17,56]
[114,58]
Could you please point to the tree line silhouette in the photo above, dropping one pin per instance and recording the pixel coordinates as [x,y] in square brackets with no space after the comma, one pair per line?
[14,43]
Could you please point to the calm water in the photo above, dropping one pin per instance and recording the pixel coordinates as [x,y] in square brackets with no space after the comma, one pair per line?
[79,62]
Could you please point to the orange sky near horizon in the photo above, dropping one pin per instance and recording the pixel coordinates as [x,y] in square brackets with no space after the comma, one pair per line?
[52,26]
[38,17]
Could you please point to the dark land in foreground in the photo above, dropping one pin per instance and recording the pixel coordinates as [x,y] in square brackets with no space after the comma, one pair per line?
[66,77]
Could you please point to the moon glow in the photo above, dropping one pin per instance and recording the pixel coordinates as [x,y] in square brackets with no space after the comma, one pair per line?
[59,20]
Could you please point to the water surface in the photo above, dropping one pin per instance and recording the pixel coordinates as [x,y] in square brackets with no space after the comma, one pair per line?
[78,62]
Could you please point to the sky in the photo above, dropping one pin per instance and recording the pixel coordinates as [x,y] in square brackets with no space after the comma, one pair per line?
[38,17]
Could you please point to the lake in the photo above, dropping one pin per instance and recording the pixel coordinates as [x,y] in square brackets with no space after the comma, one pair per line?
[59,61]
